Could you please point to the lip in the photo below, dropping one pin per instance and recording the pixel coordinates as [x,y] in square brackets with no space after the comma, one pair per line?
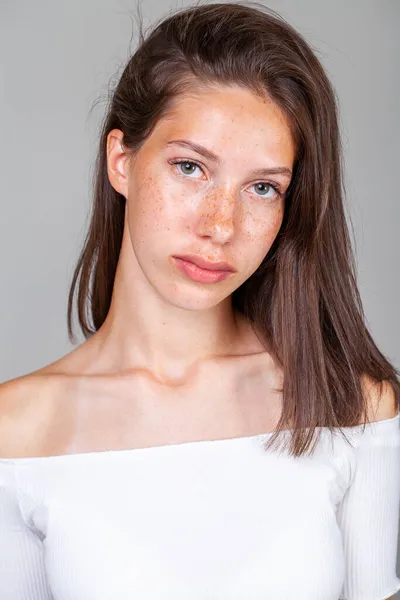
[206,264]
[196,273]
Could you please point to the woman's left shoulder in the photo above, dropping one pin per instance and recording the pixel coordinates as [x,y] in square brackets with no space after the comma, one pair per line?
[381,398]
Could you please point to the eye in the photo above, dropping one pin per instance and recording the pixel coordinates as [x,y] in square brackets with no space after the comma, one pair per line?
[186,164]
[271,186]
[190,164]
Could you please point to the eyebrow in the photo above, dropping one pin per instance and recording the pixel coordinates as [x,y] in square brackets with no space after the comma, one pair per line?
[262,172]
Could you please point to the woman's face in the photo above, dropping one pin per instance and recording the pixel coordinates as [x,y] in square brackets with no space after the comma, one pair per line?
[218,208]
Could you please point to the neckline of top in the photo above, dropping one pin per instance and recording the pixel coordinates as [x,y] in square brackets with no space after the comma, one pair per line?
[194,444]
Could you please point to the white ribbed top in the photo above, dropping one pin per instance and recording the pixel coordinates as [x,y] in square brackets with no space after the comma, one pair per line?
[205,520]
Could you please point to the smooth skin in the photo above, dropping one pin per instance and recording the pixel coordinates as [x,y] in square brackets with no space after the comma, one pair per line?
[173,362]
[213,210]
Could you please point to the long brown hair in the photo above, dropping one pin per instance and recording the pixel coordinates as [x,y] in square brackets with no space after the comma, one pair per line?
[303,299]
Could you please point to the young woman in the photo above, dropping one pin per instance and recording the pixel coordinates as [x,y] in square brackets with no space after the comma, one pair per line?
[218,298]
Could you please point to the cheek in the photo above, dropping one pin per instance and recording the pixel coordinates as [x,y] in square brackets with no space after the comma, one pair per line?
[154,211]
[146,203]
[259,229]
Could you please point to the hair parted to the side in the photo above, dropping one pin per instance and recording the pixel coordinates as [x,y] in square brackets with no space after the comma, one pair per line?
[303,298]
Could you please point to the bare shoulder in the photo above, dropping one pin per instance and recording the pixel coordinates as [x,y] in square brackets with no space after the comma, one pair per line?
[26,407]
[381,398]
[34,408]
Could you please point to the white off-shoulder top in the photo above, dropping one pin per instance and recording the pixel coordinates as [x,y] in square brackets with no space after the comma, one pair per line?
[205,520]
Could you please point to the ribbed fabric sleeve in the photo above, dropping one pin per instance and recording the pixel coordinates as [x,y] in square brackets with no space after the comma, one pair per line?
[22,574]
[368,514]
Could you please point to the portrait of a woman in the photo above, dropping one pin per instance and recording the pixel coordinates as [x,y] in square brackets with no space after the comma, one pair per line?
[229,428]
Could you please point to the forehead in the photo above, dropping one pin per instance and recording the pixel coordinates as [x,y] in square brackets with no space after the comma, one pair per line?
[229,120]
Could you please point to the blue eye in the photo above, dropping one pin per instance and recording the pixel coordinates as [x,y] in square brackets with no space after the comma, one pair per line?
[189,164]
[186,163]
[270,185]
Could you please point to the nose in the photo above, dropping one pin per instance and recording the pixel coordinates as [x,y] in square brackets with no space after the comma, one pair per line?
[218,215]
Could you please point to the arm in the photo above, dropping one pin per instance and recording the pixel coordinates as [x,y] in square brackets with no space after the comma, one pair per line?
[22,573]
[368,514]
[388,406]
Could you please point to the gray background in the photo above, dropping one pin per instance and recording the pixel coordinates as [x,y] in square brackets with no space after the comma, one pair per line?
[58,59]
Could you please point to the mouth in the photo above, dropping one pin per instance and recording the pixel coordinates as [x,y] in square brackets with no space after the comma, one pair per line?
[200,274]
[206,264]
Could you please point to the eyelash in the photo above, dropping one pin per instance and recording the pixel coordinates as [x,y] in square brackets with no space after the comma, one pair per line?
[275,187]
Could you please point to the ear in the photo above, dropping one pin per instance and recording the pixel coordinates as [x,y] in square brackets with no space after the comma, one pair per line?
[117,162]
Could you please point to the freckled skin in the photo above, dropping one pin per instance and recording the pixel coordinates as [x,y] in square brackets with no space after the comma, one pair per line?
[214,210]
[172,362]
[211,214]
